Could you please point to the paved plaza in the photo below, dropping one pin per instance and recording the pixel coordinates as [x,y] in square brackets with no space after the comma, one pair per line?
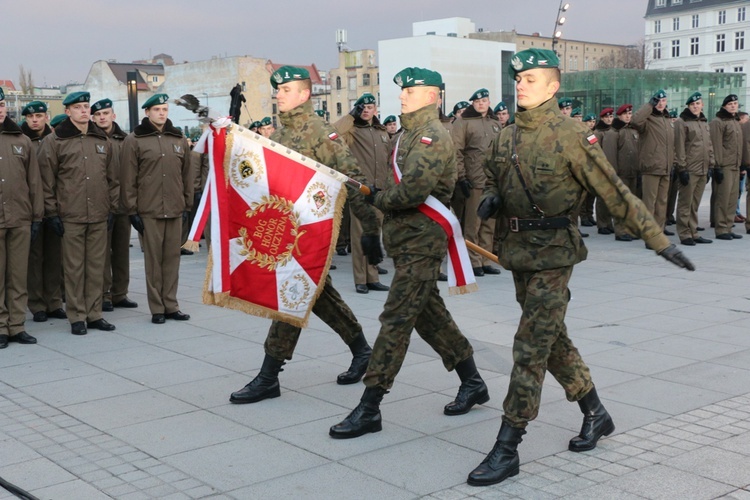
[143,412]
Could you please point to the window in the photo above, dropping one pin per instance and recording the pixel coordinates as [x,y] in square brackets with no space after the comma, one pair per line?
[338,83]
[365,79]
[585,64]
[661,3]
[676,24]
[155,79]
[738,69]
[720,70]
[675,48]
[676,2]
[721,42]
[696,20]
[694,46]
[352,83]
[657,26]
[657,50]
[739,40]
[722,17]
[338,109]
[274,110]
[741,15]
[244,87]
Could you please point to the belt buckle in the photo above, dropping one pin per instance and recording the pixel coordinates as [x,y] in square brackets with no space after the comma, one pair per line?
[513,224]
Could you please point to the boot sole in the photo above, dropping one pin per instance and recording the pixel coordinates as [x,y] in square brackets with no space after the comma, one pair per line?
[270,395]
[610,429]
[348,381]
[377,427]
[475,482]
[482,400]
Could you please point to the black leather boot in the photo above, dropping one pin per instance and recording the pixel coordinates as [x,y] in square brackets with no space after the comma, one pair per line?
[361,351]
[364,418]
[264,386]
[596,423]
[502,462]
[473,390]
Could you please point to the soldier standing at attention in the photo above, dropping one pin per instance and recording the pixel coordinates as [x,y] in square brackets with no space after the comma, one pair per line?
[502,114]
[425,156]
[80,195]
[21,211]
[45,255]
[607,137]
[371,146]
[726,136]
[587,208]
[266,127]
[117,255]
[627,148]
[311,136]
[391,125]
[566,105]
[157,191]
[537,174]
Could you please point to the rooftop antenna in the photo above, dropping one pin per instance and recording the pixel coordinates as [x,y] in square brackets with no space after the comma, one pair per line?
[341,40]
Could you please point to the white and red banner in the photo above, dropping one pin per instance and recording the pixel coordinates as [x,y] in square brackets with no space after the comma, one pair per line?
[275,218]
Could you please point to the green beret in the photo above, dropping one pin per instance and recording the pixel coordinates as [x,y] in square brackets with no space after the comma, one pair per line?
[265,121]
[2,94]
[366,98]
[576,112]
[673,113]
[695,97]
[501,106]
[660,94]
[591,117]
[460,105]
[34,107]
[320,112]
[564,102]
[100,105]
[155,100]
[417,77]
[531,59]
[479,94]
[728,99]
[255,125]
[286,74]
[76,97]
[389,119]
[451,115]
[54,122]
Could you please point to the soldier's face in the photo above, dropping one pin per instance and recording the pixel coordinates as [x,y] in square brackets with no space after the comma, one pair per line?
[369,111]
[566,110]
[591,124]
[626,116]
[158,114]
[266,131]
[3,111]
[661,105]
[79,112]
[414,98]
[104,118]
[578,118]
[503,116]
[459,112]
[608,119]
[391,127]
[482,105]
[534,87]
[290,95]
[696,107]
[36,121]
[732,107]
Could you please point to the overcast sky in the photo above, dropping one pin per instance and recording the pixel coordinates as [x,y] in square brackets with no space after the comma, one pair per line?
[59,42]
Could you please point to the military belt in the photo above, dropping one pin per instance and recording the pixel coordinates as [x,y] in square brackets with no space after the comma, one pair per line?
[398,213]
[517,224]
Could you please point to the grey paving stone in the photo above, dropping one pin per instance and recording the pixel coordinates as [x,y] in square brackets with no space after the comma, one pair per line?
[72,489]
[714,463]
[35,474]
[660,481]
[81,389]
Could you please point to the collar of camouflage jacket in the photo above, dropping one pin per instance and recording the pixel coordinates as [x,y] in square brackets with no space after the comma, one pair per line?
[66,130]
[147,128]
[33,134]
[9,127]
[533,118]
[726,115]
[303,112]
[410,121]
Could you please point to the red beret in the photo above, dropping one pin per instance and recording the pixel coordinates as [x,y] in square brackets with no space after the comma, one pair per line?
[607,111]
[624,108]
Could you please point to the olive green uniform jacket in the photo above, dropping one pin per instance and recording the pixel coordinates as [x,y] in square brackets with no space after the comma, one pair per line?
[628,160]
[656,140]
[472,135]
[370,145]
[694,151]
[21,197]
[726,136]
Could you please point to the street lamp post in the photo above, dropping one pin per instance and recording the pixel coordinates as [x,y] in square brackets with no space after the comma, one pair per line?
[132,77]
[559,21]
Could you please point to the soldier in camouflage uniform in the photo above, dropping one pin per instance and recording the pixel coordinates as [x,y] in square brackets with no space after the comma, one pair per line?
[426,158]
[538,172]
[308,134]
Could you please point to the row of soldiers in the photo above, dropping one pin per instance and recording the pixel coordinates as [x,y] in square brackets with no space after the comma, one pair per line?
[89,182]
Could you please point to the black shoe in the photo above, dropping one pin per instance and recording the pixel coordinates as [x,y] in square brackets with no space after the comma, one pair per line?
[78,328]
[698,228]
[158,319]
[341,252]
[332,267]
[725,236]
[604,230]
[473,390]
[126,303]
[361,352]
[40,317]
[444,277]
[382,271]
[23,338]
[363,419]
[57,313]
[378,287]
[478,271]
[671,221]
[101,324]
[688,241]
[177,316]
[667,232]
[583,235]
[490,270]
[701,239]
[736,236]
[4,339]
[596,423]
[185,251]
[107,306]
[587,222]
[502,462]
[624,237]
[264,386]
[361,289]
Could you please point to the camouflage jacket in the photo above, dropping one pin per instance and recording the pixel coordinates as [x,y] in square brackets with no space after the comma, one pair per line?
[694,152]
[656,140]
[309,135]
[427,160]
[560,160]
[726,136]
[472,134]
[627,149]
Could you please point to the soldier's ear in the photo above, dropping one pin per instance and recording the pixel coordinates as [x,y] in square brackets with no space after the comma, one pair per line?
[553,87]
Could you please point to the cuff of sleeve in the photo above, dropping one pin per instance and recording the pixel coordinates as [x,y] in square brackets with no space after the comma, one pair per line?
[658,243]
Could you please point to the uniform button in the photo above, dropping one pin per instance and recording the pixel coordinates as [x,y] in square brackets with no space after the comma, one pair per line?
[163,154]
[85,157]
[87,178]
[163,175]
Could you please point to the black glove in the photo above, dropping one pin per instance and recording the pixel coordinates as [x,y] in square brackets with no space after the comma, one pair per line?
[465,186]
[356,111]
[56,224]
[673,174]
[709,174]
[370,198]
[372,249]
[488,207]
[654,101]
[684,176]
[718,175]
[110,221]
[35,226]
[676,257]
[137,223]
[185,216]
[197,198]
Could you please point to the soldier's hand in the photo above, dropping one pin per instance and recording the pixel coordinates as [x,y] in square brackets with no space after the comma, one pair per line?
[654,101]
[372,249]
[110,221]
[488,207]
[56,224]
[676,257]
[718,175]
[137,223]
[684,176]
[35,226]
[370,198]
[357,110]
[465,186]
[709,175]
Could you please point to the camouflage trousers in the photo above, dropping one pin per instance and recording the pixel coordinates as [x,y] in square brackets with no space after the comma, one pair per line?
[414,302]
[542,343]
[330,307]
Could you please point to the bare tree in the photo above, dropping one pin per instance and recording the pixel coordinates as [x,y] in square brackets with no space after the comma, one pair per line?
[26,81]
